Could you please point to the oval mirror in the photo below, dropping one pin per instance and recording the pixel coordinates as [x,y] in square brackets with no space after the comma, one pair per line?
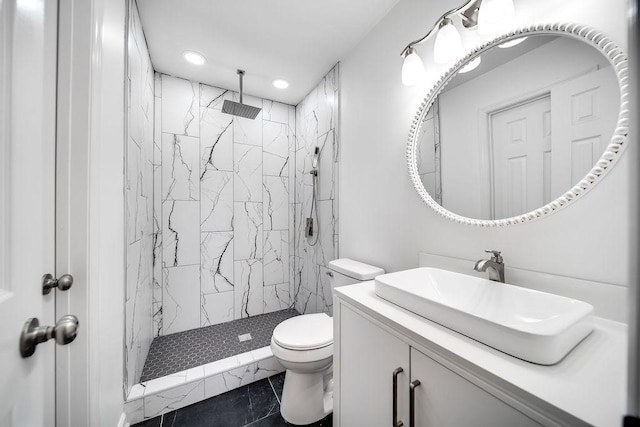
[521,127]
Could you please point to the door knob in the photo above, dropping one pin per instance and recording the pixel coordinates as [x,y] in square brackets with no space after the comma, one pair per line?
[63,283]
[33,334]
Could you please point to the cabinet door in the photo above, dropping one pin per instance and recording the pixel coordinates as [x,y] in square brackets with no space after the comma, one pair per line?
[368,357]
[444,398]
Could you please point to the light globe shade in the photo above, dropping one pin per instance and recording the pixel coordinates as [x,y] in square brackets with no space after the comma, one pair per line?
[495,15]
[412,68]
[448,44]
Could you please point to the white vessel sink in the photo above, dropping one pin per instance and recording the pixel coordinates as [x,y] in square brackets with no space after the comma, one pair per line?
[534,326]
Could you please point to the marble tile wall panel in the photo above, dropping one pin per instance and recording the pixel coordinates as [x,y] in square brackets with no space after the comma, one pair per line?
[276,257]
[216,204]
[327,102]
[325,250]
[326,179]
[181,311]
[181,169]
[303,300]
[275,111]
[324,300]
[217,308]
[133,189]
[243,193]
[276,203]
[157,209]
[213,97]
[139,183]
[247,165]
[216,263]
[181,233]
[277,297]
[180,106]
[216,138]
[275,149]
[292,199]
[249,295]
[316,125]
[248,230]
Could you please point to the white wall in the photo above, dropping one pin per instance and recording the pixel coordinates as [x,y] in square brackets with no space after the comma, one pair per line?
[383,220]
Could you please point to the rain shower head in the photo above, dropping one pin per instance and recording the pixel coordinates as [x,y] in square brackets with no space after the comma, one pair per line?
[238,108]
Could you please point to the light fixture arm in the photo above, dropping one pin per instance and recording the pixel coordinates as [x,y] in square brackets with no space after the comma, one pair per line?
[468,12]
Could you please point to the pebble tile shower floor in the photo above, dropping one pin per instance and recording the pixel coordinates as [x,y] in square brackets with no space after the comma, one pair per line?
[185,350]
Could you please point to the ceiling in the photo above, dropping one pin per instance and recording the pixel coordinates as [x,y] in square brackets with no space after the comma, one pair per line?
[295,40]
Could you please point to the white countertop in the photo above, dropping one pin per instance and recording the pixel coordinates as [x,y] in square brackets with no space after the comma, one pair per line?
[589,383]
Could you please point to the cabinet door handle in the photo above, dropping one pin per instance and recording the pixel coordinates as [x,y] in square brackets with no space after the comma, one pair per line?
[412,402]
[396,423]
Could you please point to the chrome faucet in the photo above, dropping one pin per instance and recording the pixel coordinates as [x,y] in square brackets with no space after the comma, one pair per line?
[495,266]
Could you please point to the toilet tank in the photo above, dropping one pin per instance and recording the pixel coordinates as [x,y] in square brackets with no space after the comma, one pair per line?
[345,271]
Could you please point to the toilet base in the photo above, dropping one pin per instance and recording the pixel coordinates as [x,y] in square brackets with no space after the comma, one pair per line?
[307,398]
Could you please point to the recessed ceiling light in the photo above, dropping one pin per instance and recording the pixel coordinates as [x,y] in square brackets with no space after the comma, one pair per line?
[194,58]
[470,66]
[512,43]
[281,84]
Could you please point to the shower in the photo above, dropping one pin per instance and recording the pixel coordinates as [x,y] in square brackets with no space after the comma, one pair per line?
[238,108]
[310,231]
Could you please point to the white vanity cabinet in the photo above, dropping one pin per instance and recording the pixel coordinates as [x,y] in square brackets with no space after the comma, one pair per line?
[444,398]
[369,356]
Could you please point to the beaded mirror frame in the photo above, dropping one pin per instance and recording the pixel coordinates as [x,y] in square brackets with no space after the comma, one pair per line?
[612,153]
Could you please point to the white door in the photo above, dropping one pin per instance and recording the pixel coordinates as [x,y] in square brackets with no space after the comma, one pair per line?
[27,205]
[585,112]
[521,143]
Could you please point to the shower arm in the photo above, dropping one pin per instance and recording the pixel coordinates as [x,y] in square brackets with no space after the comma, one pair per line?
[241,75]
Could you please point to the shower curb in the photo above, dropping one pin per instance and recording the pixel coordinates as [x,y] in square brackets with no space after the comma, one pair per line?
[165,394]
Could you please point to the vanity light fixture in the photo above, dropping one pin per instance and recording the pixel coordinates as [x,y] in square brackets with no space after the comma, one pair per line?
[412,68]
[448,42]
[486,15]
[194,57]
[495,14]
[280,84]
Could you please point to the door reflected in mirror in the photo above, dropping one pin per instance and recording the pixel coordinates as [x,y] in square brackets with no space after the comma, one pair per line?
[519,130]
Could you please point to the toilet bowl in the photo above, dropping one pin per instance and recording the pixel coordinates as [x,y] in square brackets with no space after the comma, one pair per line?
[304,346]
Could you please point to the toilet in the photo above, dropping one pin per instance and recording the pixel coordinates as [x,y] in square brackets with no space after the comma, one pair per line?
[304,347]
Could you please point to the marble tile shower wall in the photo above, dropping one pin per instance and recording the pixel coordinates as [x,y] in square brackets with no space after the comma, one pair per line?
[317,126]
[139,206]
[222,206]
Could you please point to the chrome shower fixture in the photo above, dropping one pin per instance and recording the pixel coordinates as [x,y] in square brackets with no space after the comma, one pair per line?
[314,162]
[238,108]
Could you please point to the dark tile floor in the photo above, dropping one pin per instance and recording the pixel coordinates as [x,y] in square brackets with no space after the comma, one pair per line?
[254,405]
[185,350]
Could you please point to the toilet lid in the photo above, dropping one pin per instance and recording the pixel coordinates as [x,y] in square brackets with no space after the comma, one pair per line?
[305,332]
